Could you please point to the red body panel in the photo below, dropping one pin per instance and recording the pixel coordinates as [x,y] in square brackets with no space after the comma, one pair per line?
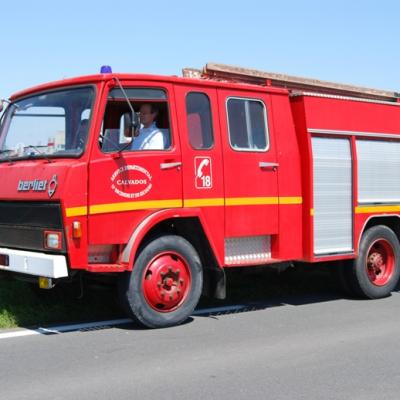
[206,200]
[244,178]
[289,244]
[350,117]
[107,174]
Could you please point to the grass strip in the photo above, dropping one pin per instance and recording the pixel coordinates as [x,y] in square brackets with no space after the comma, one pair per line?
[22,305]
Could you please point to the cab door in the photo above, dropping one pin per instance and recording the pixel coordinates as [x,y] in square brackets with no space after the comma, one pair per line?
[127,186]
[202,165]
[250,176]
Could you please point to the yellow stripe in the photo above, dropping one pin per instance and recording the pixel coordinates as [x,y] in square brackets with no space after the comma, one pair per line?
[290,200]
[312,212]
[376,209]
[76,211]
[134,205]
[251,201]
[203,202]
[177,203]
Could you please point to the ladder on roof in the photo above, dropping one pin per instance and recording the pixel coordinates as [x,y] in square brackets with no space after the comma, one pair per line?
[295,84]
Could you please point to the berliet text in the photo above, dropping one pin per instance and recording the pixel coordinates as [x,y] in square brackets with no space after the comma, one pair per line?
[36,186]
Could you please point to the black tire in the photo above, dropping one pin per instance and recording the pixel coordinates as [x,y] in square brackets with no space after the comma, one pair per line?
[376,271]
[165,283]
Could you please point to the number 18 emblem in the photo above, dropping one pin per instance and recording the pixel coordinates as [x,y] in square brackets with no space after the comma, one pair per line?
[202,168]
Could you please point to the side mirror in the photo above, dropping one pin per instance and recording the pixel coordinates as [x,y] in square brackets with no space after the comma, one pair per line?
[130,124]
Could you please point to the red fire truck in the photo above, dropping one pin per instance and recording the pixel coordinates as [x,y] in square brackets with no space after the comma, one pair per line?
[256,169]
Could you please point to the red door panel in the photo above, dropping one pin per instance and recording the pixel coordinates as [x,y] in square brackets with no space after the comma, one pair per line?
[202,165]
[250,174]
[126,187]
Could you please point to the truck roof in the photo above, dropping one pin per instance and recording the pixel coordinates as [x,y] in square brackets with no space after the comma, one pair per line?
[221,75]
[93,79]
[294,84]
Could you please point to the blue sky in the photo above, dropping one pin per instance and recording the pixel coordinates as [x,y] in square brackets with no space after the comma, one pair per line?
[353,42]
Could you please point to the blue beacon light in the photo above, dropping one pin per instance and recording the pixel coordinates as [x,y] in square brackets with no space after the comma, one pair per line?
[105,69]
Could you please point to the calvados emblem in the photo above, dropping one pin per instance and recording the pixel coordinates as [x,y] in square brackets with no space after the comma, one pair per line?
[131,181]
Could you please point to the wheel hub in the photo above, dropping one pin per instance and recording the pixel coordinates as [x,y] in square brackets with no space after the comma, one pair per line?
[380,262]
[166,282]
[375,263]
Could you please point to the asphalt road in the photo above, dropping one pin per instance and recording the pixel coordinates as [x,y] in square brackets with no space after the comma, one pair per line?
[301,348]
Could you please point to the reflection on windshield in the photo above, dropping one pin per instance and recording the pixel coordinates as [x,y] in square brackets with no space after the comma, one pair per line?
[48,125]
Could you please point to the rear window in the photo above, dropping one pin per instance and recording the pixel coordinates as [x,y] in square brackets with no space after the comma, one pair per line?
[247,124]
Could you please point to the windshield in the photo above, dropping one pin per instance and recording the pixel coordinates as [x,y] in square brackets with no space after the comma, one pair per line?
[48,125]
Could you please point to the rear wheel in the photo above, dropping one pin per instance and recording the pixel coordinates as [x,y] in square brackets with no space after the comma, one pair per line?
[375,273]
[165,284]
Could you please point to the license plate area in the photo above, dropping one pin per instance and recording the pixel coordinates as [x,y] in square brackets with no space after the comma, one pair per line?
[4,260]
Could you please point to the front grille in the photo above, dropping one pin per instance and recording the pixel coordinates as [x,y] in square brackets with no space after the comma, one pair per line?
[22,224]
[23,213]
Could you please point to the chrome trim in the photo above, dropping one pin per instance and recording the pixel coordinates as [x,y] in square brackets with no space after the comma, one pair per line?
[379,202]
[170,165]
[264,165]
[355,133]
[322,256]
[350,98]
[335,251]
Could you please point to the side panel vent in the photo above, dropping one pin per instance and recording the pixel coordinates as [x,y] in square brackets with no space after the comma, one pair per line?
[247,250]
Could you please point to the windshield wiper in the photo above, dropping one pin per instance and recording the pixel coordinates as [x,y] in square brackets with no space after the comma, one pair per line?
[39,152]
[8,158]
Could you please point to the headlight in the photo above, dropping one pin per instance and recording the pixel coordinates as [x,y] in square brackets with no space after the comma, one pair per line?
[52,240]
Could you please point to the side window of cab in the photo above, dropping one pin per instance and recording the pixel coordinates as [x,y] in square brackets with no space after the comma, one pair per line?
[247,123]
[140,125]
[199,121]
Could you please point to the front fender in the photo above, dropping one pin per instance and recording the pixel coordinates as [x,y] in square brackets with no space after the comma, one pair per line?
[129,253]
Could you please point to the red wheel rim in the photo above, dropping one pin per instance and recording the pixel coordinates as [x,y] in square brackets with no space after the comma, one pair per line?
[166,282]
[380,262]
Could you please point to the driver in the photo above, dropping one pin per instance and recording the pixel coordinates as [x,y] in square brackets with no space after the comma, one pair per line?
[149,137]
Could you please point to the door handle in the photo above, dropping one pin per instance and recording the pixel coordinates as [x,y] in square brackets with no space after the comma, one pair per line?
[169,165]
[268,165]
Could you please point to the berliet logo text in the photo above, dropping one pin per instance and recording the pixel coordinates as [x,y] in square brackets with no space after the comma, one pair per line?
[36,186]
[39,186]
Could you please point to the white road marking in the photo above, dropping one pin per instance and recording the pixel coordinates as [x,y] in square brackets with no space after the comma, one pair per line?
[54,330]
[27,332]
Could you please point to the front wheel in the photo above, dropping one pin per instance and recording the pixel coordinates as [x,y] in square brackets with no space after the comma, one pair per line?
[376,271]
[165,284]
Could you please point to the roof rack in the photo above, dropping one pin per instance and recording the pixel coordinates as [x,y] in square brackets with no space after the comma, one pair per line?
[295,84]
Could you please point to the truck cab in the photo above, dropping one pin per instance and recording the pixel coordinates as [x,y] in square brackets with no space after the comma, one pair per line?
[80,196]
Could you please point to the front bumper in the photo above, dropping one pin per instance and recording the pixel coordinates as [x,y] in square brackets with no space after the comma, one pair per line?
[32,263]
